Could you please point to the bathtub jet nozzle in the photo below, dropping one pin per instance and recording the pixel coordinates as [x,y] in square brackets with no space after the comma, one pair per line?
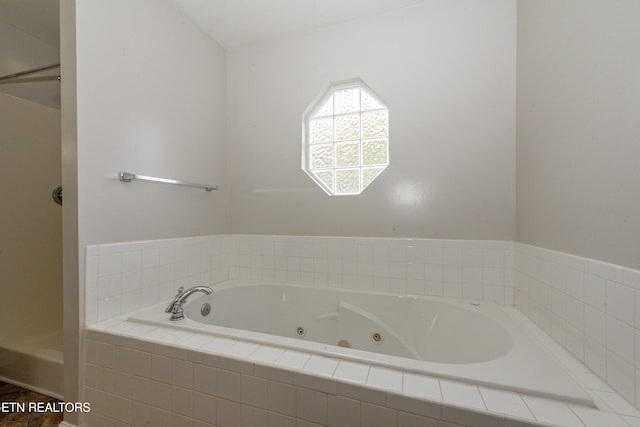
[175,306]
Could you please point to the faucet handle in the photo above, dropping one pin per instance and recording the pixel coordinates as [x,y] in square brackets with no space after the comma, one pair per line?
[177,313]
[175,300]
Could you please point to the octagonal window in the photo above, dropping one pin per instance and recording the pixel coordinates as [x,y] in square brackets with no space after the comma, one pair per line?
[346,138]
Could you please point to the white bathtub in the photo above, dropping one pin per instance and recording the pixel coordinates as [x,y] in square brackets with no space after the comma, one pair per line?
[475,342]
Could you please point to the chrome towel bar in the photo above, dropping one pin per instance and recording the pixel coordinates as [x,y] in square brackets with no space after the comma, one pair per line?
[128,177]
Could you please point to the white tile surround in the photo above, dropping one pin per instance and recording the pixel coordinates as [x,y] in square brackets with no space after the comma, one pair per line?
[591,308]
[123,277]
[249,383]
[470,269]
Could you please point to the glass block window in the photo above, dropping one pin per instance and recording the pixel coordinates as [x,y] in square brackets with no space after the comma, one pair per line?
[346,138]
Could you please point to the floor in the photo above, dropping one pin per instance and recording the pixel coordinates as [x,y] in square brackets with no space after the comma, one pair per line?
[12,393]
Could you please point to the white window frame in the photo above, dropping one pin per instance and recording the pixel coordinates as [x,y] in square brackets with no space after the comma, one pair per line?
[310,114]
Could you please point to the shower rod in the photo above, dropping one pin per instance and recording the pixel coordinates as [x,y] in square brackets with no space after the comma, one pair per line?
[128,177]
[32,71]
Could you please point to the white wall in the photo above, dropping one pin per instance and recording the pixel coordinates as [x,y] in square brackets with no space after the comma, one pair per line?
[30,221]
[578,129]
[143,91]
[447,71]
[151,101]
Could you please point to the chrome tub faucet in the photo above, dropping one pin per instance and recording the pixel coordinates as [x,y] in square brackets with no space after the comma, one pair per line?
[175,306]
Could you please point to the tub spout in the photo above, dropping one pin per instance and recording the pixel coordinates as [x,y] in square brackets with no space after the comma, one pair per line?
[175,306]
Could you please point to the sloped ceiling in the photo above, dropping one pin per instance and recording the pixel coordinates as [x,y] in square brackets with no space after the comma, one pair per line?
[234,23]
[29,30]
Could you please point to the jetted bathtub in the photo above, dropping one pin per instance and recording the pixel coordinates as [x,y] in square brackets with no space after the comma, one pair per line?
[471,341]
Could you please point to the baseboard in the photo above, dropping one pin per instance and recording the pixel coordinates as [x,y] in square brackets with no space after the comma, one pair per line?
[66,424]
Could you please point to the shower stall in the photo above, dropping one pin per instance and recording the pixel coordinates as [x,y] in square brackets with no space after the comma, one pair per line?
[31,342]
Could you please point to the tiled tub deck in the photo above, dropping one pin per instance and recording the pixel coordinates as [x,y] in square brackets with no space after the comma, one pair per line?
[141,375]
